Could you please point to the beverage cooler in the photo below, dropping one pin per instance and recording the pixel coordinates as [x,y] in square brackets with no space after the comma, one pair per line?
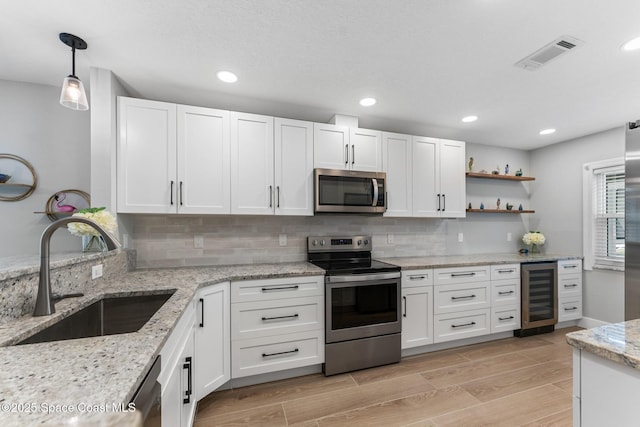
[539,281]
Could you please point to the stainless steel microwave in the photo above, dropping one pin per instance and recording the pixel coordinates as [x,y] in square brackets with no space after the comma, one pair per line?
[347,191]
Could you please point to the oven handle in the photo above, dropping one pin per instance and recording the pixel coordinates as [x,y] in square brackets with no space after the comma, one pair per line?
[362,277]
[375,191]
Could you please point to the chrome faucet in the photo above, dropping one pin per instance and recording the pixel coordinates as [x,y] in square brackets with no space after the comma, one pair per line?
[44,300]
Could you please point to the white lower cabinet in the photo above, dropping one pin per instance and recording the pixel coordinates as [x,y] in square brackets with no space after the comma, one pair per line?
[569,290]
[276,324]
[505,297]
[212,339]
[464,324]
[177,375]
[417,308]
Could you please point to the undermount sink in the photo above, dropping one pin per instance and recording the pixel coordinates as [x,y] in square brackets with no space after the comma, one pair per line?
[107,316]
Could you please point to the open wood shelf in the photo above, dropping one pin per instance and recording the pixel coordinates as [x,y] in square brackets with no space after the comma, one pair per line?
[501,211]
[503,177]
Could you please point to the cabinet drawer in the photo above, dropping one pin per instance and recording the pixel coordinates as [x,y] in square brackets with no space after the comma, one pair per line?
[270,289]
[569,285]
[451,298]
[277,353]
[505,292]
[505,271]
[569,308]
[477,273]
[413,278]
[265,318]
[453,326]
[505,318]
[569,266]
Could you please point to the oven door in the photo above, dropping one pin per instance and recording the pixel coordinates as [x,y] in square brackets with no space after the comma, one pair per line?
[349,191]
[362,306]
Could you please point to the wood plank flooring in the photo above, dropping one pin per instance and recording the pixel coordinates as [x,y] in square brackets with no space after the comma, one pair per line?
[510,382]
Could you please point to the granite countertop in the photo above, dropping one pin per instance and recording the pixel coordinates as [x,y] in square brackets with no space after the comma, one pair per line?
[618,342]
[51,379]
[471,259]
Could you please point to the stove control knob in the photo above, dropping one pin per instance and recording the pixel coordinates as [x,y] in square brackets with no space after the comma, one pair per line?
[321,242]
[315,243]
[359,242]
[366,242]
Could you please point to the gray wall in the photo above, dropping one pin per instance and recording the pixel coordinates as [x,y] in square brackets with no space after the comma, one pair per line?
[56,141]
[557,197]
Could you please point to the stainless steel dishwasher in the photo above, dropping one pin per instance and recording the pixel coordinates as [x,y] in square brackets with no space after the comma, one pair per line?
[539,293]
[148,397]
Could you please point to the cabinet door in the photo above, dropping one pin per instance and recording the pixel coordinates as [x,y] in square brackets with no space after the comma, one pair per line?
[417,316]
[187,396]
[252,189]
[293,167]
[426,177]
[366,150]
[396,162]
[212,339]
[203,160]
[452,178]
[331,148]
[146,152]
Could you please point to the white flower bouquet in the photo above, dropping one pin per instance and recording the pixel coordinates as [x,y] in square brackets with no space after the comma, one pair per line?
[101,216]
[534,239]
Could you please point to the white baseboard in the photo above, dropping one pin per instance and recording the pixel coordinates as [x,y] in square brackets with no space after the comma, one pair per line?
[588,323]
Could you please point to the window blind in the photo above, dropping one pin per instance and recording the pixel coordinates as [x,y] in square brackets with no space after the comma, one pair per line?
[608,218]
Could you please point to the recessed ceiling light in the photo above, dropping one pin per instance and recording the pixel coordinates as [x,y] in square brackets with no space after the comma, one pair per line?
[632,44]
[367,102]
[547,131]
[469,119]
[227,77]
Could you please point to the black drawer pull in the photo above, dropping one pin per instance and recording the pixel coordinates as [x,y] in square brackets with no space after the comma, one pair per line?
[202,312]
[473,273]
[463,297]
[506,318]
[292,316]
[463,325]
[417,277]
[573,285]
[295,350]
[570,266]
[505,293]
[405,307]
[511,270]
[570,308]
[189,391]
[280,288]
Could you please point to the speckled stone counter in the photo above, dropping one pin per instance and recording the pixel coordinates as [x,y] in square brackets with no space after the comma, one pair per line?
[409,263]
[104,371]
[618,342]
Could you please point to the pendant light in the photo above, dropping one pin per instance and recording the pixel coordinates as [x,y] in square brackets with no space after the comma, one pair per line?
[73,95]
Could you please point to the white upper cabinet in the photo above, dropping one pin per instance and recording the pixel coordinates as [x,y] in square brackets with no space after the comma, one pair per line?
[146,152]
[252,187]
[339,147]
[203,160]
[172,158]
[438,178]
[293,167]
[397,163]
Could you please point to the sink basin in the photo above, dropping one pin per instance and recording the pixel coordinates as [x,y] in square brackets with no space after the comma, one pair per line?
[108,316]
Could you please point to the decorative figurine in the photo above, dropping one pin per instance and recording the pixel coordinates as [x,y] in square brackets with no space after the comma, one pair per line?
[519,172]
[63,208]
[509,206]
[498,203]
[496,171]
[470,205]
[481,205]
[470,164]
[520,207]
[506,169]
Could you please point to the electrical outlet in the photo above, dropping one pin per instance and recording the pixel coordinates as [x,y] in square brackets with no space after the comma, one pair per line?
[390,239]
[460,238]
[509,237]
[198,242]
[96,271]
[283,240]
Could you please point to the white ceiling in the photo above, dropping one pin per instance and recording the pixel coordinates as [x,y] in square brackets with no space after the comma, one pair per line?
[428,62]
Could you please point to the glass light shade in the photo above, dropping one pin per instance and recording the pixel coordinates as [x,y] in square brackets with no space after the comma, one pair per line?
[73,95]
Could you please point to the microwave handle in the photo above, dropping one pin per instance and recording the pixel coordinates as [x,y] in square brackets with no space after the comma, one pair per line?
[375,191]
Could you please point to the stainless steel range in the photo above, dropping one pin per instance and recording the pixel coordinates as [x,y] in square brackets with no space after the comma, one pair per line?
[362,304]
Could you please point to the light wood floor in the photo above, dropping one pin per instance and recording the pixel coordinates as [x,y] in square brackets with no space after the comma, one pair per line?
[509,382]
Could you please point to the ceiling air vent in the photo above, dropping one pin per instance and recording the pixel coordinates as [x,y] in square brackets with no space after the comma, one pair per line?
[549,52]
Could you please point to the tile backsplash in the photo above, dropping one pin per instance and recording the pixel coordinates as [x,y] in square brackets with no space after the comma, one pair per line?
[168,240]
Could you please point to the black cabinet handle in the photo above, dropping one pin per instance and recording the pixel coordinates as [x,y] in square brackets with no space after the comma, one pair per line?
[463,297]
[463,274]
[189,390]
[438,202]
[279,288]
[295,350]
[574,285]
[180,193]
[464,324]
[511,270]
[417,277]
[506,318]
[405,307]
[444,202]
[202,312]
[171,195]
[505,293]
[570,308]
[292,316]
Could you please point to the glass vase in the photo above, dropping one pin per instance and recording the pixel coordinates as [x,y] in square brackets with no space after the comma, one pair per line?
[534,249]
[93,244]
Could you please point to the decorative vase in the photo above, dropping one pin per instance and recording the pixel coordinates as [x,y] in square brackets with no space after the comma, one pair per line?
[534,249]
[93,244]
